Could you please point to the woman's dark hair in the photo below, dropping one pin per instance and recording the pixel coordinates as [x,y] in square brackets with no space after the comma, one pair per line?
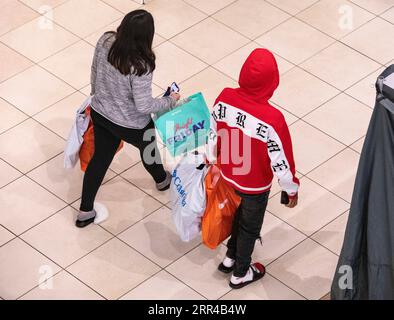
[132,51]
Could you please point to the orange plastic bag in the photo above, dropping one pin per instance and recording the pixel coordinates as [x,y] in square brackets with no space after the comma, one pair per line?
[222,205]
[87,148]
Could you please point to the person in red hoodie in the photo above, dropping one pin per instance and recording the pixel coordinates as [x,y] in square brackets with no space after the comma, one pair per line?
[250,141]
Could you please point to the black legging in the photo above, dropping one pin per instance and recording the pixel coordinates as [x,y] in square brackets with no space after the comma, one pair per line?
[107,137]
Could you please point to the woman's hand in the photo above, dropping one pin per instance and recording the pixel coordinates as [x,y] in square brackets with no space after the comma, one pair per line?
[175,95]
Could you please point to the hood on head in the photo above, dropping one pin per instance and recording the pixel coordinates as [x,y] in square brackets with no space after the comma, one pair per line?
[259,75]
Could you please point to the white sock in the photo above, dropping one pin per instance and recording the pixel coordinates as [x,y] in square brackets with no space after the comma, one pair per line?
[247,277]
[101,213]
[228,263]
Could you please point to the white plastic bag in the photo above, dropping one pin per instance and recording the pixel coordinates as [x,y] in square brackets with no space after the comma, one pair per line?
[188,195]
[75,138]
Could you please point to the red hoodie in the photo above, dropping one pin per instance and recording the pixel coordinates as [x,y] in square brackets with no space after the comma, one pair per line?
[251,137]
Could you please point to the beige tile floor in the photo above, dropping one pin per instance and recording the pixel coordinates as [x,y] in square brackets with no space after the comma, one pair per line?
[327,95]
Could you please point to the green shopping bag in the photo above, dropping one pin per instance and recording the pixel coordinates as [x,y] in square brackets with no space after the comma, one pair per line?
[184,128]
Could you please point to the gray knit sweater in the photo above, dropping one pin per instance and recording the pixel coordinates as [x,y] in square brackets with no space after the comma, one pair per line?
[125,100]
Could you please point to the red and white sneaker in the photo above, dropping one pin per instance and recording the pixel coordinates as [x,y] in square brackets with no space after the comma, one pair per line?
[255,272]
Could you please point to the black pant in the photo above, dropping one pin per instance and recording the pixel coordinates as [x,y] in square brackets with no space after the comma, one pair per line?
[246,230]
[107,137]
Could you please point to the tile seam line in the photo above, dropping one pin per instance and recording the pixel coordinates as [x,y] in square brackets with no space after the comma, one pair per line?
[302,232]
[376,14]
[26,22]
[145,192]
[295,16]
[25,4]
[162,270]
[344,92]
[270,29]
[384,12]
[24,232]
[295,65]
[28,177]
[340,38]
[56,274]
[61,267]
[29,172]
[72,202]
[278,279]
[60,25]
[125,243]
[327,134]
[33,117]
[160,267]
[209,14]
[329,35]
[130,226]
[168,264]
[14,234]
[74,90]
[329,100]
[320,130]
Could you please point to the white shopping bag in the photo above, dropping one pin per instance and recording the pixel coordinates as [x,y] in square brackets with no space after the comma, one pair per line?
[188,195]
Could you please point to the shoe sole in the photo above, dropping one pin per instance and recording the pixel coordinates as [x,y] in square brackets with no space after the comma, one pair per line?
[165,188]
[224,269]
[85,223]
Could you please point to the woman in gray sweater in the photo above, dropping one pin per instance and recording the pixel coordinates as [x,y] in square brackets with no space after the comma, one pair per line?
[122,102]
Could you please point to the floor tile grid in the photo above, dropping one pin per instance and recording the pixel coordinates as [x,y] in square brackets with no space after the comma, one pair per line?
[61,268]
[27,21]
[252,40]
[342,150]
[299,65]
[87,253]
[113,236]
[161,268]
[378,15]
[33,115]
[230,53]
[32,64]
[354,149]
[198,58]
[384,18]
[14,236]
[32,7]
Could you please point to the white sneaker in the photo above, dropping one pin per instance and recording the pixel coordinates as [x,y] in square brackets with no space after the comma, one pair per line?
[255,272]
